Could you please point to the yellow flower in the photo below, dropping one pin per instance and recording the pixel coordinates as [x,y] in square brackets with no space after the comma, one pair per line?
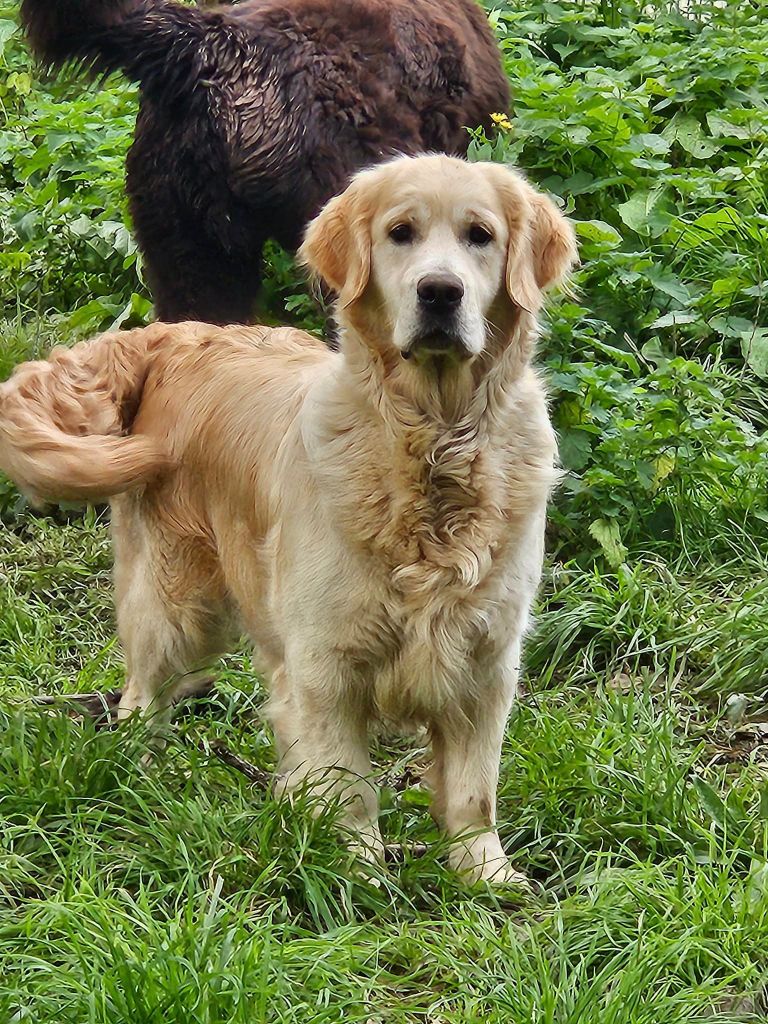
[502,122]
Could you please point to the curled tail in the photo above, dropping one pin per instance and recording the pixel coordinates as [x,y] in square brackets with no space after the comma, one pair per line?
[154,42]
[64,421]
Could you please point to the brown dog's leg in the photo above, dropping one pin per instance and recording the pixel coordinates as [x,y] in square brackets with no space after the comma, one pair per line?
[192,274]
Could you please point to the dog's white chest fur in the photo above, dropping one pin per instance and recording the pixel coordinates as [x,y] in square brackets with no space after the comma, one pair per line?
[437,549]
[448,623]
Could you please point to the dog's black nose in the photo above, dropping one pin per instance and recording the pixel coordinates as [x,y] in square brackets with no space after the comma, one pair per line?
[440,293]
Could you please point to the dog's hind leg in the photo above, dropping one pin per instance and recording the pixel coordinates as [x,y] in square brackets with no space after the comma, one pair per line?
[171,612]
[193,274]
[214,287]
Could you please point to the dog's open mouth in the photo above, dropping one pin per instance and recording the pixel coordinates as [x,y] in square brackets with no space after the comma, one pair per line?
[436,344]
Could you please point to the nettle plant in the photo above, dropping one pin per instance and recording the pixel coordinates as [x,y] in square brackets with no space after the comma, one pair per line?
[658,457]
[654,133]
[63,217]
[650,129]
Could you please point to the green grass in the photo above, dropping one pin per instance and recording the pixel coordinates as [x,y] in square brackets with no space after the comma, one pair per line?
[634,785]
[178,892]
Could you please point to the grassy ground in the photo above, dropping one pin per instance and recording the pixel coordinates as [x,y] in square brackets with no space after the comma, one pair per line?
[634,785]
[180,892]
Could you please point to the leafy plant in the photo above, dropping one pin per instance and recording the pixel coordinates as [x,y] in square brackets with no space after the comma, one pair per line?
[659,154]
[180,892]
[649,126]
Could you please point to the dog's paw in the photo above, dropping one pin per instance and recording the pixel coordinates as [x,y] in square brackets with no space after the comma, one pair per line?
[504,875]
[367,848]
[481,859]
[366,844]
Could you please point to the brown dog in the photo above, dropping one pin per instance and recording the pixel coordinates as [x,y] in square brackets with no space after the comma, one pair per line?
[254,115]
[374,518]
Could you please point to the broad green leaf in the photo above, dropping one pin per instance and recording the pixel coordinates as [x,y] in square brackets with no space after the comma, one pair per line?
[720,125]
[81,226]
[657,87]
[664,280]
[619,355]
[575,448]
[582,183]
[138,309]
[713,225]
[647,213]
[7,29]
[717,221]
[598,231]
[654,353]
[606,533]
[724,288]
[673,319]
[649,143]
[754,347]
[93,313]
[59,138]
[20,82]
[732,326]
[664,467]
[688,133]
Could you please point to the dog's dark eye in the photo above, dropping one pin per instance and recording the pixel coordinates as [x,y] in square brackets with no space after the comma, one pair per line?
[401,234]
[478,235]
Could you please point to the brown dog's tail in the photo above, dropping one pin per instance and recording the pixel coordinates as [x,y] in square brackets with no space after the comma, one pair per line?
[159,43]
[64,421]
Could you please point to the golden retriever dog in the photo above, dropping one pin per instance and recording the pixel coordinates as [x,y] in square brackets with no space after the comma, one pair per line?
[373,518]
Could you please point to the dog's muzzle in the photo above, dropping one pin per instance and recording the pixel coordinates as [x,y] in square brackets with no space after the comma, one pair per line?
[436,343]
[440,297]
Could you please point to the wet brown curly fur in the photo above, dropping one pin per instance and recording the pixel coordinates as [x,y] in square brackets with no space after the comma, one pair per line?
[253,115]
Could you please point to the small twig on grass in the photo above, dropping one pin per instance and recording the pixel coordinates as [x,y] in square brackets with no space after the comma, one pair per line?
[252,772]
[100,706]
[396,853]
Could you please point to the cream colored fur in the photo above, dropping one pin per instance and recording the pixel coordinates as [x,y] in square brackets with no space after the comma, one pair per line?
[374,523]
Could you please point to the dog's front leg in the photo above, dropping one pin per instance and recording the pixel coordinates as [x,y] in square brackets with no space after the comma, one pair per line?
[319,713]
[464,777]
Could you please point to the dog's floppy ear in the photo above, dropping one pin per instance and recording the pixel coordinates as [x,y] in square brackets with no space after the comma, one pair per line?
[337,245]
[542,243]
[553,242]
